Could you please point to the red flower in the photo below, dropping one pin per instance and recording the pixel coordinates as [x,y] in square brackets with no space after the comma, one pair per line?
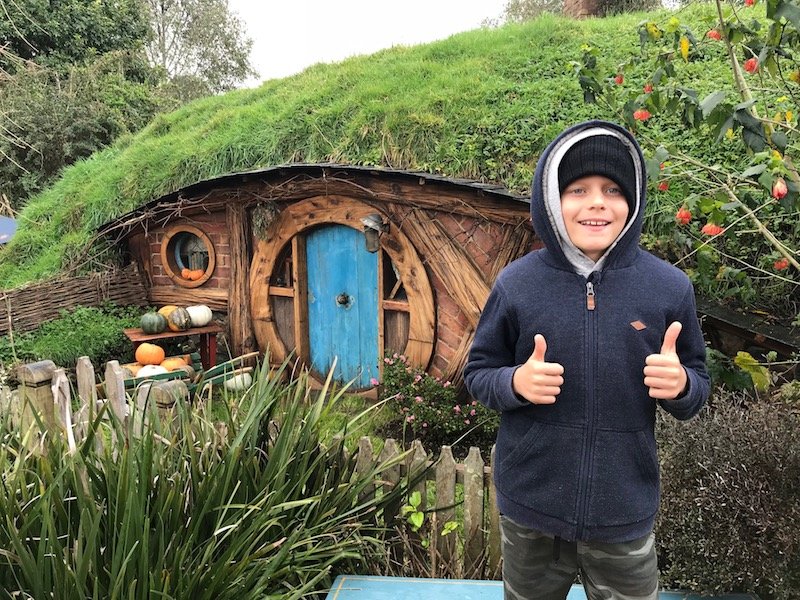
[714,34]
[749,2]
[781,264]
[648,87]
[619,79]
[751,65]
[683,216]
[642,114]
[779,189]
[661,166]
[663,186]
[712,229]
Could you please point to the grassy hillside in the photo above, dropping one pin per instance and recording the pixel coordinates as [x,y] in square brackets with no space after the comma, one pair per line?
[480,105]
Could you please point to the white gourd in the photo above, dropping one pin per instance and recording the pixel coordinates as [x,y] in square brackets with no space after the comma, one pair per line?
[150,370]
[239,383]
[200,315]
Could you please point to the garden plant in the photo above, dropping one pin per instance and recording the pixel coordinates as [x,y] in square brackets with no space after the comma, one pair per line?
[260,506]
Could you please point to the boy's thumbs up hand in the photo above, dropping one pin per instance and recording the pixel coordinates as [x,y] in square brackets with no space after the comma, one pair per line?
[538,381]
[663,372]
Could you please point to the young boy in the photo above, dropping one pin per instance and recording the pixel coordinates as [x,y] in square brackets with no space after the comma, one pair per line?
[576,345]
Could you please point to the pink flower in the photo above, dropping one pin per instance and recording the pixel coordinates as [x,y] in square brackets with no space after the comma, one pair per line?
[472,413]
[457,409]
[447,384]
[642,114]
[749,2]
[714,35]
[418,399]
[410,418]
[663,186]
[779,189]
[417,378]
[648,87]
[374,381]
[424,424]
[466,421]
[388,361]
[619,78]
[712,229]
[751,65]
[683,216]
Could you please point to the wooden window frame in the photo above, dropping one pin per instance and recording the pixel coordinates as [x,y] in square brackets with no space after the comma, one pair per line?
[168,261]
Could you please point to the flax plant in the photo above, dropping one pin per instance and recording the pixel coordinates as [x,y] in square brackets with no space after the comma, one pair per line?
[255,507]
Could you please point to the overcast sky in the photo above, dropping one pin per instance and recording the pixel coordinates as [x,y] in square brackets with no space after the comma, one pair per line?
[290,35]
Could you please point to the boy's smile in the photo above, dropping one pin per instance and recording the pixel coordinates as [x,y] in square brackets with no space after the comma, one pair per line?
[595,212]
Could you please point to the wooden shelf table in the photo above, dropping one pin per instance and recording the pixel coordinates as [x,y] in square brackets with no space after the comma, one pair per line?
[208,340]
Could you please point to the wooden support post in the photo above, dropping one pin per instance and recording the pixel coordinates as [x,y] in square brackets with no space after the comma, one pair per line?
[240,322]
[36,397]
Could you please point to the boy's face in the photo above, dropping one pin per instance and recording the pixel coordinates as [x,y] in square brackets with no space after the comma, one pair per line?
[595,211]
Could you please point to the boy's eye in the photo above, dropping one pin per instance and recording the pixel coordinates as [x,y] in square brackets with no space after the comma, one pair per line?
[613,190]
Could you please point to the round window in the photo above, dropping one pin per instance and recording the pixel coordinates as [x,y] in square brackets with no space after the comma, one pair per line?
[187,255]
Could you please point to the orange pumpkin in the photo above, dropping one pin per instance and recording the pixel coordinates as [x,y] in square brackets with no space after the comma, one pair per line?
[149,354]
[172,363]
[196,274]
[185,273]
[165,310]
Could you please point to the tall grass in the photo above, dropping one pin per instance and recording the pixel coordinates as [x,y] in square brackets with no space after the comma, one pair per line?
[256,508]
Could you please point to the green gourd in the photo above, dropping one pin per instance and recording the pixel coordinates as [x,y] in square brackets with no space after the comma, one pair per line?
[152,322]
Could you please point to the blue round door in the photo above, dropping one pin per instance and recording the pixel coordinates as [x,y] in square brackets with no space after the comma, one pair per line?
[342,304]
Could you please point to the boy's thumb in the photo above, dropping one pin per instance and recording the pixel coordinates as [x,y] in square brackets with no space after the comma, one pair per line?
[539,347]
[671,338]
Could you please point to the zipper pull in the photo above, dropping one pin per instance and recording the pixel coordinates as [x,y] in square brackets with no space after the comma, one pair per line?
[590,303]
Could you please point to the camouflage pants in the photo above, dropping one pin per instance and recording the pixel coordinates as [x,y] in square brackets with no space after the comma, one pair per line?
[537,567]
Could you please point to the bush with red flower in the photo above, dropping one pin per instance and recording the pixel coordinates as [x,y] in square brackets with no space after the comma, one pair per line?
[431,409]
[745,181]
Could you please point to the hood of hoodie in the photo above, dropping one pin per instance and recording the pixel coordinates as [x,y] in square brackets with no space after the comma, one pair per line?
[548,221]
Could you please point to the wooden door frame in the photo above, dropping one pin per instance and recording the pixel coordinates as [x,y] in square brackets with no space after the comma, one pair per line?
[327,210]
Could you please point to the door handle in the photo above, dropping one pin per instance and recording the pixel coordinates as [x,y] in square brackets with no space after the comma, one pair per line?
[343,299]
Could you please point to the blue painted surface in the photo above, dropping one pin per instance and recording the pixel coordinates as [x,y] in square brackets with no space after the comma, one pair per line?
[339,266]
[358,587]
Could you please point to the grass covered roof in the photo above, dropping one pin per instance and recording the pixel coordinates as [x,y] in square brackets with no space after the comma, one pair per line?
[479,105]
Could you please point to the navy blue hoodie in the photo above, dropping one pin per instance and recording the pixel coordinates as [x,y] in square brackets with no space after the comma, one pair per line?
[586,467]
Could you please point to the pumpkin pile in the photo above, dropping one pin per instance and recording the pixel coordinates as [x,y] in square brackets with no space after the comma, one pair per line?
[192,274]
[176,318]
[151,360]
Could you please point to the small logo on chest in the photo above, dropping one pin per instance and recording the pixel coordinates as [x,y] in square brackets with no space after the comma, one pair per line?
[638,325]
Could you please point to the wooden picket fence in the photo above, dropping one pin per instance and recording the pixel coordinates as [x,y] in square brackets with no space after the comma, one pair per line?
[449,492]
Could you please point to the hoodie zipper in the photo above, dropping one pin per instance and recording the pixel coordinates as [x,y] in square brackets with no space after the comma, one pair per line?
[588,449]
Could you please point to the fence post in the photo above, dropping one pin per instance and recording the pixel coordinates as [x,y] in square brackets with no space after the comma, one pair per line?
[445,508]
[364,465]
[62,400]
[117,399]
[390,477]
[473,512]
[493,550]
[36,397]
[87,395]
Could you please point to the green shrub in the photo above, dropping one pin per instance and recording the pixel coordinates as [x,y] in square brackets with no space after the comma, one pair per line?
[82,331]
[257,508]
[431,410]
[730,517]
